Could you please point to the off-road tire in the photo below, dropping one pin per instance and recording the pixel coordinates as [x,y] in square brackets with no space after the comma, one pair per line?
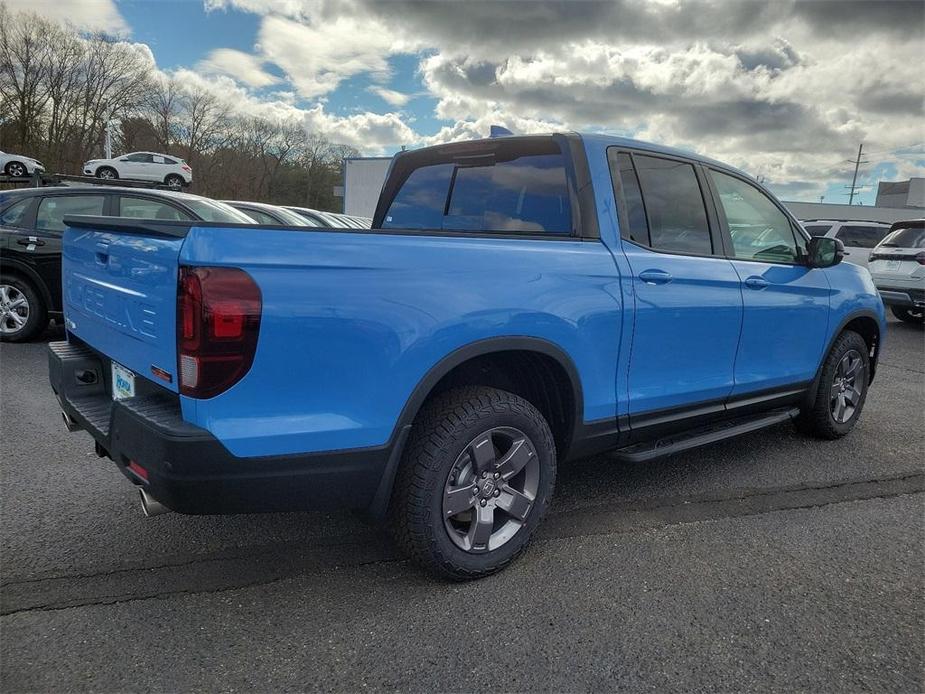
[818,419]
[443,429]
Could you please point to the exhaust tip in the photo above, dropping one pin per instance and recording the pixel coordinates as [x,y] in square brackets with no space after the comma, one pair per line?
[69,422]
[150,506]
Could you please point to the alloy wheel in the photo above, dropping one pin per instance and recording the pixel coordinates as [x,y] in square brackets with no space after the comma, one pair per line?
[490,490]
[17,170]
[14,310]
[845,395]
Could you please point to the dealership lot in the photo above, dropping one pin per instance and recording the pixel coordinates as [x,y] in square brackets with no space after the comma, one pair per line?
[762,562]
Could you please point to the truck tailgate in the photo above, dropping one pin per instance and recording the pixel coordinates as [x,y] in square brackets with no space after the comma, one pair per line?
[120,289]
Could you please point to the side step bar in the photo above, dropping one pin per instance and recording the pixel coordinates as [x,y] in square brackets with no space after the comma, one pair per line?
[641,452]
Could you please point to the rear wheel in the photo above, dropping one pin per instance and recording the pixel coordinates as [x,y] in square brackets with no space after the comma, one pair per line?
[107,173]
[174,180]
[909,315]
[22,312]
[15,169]
[475,481]
[842,389]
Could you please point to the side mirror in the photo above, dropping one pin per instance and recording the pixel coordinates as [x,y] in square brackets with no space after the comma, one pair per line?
[825,251]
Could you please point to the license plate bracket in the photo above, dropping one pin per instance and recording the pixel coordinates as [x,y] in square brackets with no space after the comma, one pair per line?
[123,382]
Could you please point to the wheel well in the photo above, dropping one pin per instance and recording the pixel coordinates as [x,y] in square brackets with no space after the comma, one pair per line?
[538,378]
[867,328]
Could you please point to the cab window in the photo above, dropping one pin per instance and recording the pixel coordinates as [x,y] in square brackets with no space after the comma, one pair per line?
[759,229]
[50,215]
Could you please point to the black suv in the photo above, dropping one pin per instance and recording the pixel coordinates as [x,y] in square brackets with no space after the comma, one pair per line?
[31,224]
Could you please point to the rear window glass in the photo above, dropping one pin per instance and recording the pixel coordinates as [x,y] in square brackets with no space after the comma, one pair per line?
[517,189]
[913,237]
[817,229]
[861,236]
[145,208]
[214,211]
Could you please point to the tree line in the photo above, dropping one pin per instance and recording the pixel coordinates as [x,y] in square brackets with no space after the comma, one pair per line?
[59,88]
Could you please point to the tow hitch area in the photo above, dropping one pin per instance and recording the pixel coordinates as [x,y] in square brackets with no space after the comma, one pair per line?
[69,422]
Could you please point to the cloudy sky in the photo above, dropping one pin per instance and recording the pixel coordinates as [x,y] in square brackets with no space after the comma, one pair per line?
[785,89]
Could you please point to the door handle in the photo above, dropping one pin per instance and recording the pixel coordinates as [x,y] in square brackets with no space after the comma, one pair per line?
[756,283]
[31,241]
[655,277]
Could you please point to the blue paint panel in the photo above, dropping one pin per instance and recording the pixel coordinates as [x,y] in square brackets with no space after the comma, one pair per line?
[352,322]
[120,297]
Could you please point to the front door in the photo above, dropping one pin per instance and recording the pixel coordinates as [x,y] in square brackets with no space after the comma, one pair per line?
[786,303]
[688,301]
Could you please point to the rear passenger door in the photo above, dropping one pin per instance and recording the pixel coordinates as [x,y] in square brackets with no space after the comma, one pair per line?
[786,302]
[859,240]
[688,301]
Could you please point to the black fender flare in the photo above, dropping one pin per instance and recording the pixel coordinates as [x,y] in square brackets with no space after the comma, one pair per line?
[18,267]
[854,315]
[379,505]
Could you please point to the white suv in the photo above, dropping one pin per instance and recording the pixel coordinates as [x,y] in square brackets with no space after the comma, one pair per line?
[142,166]
[859,237]
[897,266]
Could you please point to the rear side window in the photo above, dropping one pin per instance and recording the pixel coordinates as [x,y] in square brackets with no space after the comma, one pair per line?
[144,208]
[50,215]
[817,229]
[621,166]
[140,158]
[759,230]
[674,206]
[861,236]
[511,190]
[15,215]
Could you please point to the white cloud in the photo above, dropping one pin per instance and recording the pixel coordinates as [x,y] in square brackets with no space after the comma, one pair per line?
[86,15]
[390,96]
[244,67]
[320,53]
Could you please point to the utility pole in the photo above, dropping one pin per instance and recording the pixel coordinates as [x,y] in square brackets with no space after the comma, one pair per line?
[854,180]
[109,140]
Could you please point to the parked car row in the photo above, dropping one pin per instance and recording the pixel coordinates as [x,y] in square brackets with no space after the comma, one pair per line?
[32,223]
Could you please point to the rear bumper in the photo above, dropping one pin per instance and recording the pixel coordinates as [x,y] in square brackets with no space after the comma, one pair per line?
[188,470]
[903,296]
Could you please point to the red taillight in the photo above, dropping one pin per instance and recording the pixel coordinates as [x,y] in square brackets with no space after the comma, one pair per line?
[920,258]
[186,168]
[218,319]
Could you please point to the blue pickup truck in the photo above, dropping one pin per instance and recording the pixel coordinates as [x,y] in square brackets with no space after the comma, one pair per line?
[518,302]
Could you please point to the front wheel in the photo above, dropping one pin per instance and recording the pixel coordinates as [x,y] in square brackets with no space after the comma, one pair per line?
[16,169]
[909,315]
[475,481]
[107,173]
[842,389]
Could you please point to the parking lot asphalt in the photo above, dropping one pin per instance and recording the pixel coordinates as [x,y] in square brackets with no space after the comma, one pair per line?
[771,561]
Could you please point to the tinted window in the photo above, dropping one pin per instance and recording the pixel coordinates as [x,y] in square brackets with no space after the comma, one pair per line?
[528,194]
[140,158]
[621,166]
[514,187]
[674,206]
[143,208]
[817,229]
[15,214]
[50,216]
[913,237]
[421,201]
[168,160]
[759,230]
[861,236]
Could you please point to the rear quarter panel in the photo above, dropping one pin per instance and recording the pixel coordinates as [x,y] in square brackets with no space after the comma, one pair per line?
[352,322]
